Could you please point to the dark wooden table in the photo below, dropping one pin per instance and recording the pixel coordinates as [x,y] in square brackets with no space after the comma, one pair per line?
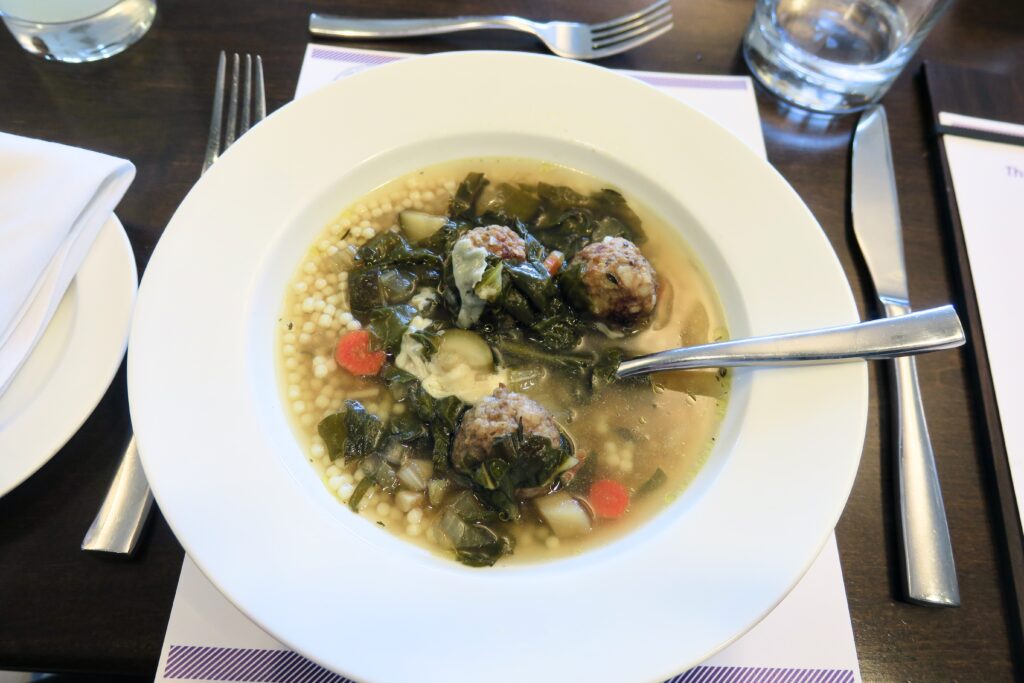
[65,610]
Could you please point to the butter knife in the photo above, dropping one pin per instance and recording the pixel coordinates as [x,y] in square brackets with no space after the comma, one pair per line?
[929,574]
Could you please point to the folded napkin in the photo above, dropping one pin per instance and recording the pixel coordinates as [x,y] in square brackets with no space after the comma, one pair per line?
[53,201]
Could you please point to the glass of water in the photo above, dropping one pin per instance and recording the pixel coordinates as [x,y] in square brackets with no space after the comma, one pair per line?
[835,55]
[77,30]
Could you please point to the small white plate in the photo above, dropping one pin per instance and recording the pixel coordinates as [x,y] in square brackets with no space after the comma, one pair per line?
[74,362]
[243,500]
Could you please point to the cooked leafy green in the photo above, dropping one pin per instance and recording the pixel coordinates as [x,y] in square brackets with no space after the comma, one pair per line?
[333,430]
[465,197]
[465,525]
[388,270]
[511,203]
[429,338]
[560,329]
[516,462]
[407,428]
[439,416]
[533,281]
[387,324]
[568,220]
[574,362]
[364,432]
[570,284]
[360,491]
[399,382]
[655,481]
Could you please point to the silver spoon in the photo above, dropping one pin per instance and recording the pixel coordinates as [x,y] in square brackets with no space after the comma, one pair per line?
[930,330]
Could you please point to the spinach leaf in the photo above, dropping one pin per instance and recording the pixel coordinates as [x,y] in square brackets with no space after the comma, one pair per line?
[465,525]
[603,373]
[364,431]
[391,248]
[511,203]
[441,241]
[448,410]
[399,382]
[655,481]
[365,292]
[609,227]
[334,431]
[533,281]
[357,496]
[518,306]
[389,271]
[465,197]
[387,324]
[570,284]
[607,364]
[568,220]
[490,286]
[429,338]
[397,286]
[560,330]
[517,462]
[573,362]
[376,473]
[608,203]
[407,428]
[439,416]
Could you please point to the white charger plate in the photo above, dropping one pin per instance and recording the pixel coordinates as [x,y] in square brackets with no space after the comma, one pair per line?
[71,367]
[243,500]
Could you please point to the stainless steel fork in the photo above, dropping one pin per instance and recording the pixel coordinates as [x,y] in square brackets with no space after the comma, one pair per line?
[565,38]
[122,516]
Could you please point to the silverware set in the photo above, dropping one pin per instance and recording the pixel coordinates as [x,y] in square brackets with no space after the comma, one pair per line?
[125,508]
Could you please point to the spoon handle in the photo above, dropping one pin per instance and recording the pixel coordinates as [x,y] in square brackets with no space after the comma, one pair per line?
[905,335]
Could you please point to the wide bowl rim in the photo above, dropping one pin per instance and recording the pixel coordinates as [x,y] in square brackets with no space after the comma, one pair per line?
[240,176]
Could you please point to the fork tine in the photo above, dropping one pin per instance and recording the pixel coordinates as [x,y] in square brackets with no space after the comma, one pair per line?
[229,134]
[213,142]
[630,44]
[261,96]
[611,23]
[243,125]
[639,32]
[629,26]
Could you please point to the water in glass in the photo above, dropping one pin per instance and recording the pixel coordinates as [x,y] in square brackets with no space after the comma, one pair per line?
[835,55]
[77,30]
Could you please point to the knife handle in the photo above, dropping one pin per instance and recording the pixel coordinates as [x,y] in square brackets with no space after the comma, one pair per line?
[928,569]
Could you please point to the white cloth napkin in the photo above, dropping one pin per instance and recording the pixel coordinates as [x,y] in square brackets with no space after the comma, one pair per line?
[53,201]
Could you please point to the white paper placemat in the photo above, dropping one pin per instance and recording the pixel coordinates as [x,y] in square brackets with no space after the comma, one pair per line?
[988,180]
[806,639]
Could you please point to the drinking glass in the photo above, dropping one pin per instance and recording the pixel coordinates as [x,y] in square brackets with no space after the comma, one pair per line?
[835,55]
[77,30]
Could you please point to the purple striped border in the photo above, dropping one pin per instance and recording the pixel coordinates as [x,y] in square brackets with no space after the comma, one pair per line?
[336,55]
[244,665]
[258,665]
[657,80]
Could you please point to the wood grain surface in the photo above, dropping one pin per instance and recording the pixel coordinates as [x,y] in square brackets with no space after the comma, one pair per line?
[65,610]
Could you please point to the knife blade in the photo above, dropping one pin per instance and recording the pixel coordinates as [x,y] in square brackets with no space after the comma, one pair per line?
[928,569]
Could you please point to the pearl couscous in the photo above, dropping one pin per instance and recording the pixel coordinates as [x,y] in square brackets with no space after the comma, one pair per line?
[610,453]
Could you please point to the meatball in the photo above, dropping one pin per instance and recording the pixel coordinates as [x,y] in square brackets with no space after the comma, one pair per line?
[501,241]
[496,416]
[619,284]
